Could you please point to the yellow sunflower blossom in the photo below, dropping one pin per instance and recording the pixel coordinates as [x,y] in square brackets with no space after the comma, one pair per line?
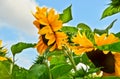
[104,39]
[48,24]
[2,51]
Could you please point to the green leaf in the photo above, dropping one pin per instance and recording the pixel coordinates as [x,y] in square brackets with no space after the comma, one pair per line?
[115,3]
[69,29]
[38,71]
[5,70]
[19,47]
[60,70]
[111,25]
[109,11]
[76,59]
[65,77]
[66,16]
[99,31]
[54,60]
[55,53]
[83,27]
[117,34]
[110,77]
[19,73]
[84,59]
[115,47]
[93,70]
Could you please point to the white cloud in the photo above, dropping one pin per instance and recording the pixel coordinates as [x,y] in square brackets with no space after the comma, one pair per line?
[17,14]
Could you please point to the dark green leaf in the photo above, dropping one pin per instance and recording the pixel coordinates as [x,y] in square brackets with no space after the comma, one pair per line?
[117,34]
[115,3]
[111,25]
[99,31]
[38,71]
[60,70]
[115,47]
[19,47]
[66,16]
[39,60]
[110,77]
[109,11]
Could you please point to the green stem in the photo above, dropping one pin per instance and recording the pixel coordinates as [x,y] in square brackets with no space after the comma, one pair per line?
[12,66]
[46,63]
[71,60]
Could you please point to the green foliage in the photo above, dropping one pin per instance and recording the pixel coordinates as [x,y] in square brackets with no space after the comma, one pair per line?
[110,77]
[38,71]
[115,3]
[19,47]
[83,27]
[84,59]
[5,70]
[114,47]
[98,31]
[69,29]
[117,34]
[61,64]
[66,16]
[19,73]
[58,60]
[60,70]
[109,11]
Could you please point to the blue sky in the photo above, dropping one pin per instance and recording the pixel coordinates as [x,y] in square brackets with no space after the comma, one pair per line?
[16,21]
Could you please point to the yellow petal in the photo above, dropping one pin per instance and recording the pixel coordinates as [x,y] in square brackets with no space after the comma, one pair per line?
[56,25]
[51,38]
[37,24]
[99,39]
[3,58]
[105,52]
[0,43]
[45,30]
[41,48]
[53,47]
[111,39]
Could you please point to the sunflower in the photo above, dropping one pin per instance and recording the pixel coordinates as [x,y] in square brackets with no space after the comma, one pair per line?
[2,52]
[110,61]
[49,25]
